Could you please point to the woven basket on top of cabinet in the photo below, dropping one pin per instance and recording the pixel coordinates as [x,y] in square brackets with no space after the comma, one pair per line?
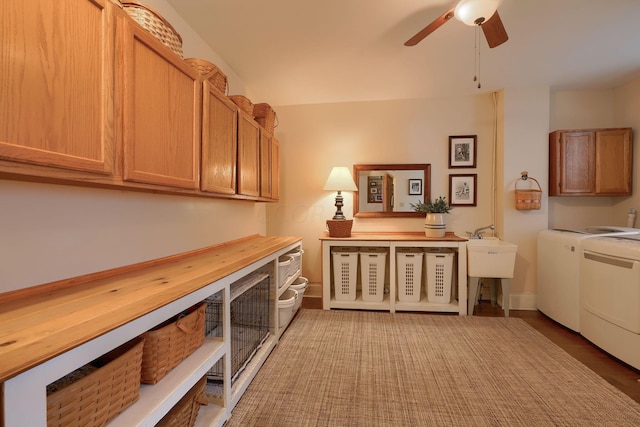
[210,72]
[169,343]
[243,103]
[155,24]
[97,392]
[265,116]
[185,412]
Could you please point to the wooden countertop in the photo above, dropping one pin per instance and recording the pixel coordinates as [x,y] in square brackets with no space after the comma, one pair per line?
[396,236]
[37,324]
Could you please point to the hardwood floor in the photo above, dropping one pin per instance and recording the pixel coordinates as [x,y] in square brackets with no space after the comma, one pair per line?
[620,375]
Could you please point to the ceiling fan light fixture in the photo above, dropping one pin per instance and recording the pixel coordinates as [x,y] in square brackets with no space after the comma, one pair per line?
[475,12]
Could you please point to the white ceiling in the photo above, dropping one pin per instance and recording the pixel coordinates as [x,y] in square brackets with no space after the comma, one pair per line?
[323,51]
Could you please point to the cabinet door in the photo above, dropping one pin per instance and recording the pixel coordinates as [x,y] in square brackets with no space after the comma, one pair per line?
[161,113]
[265,164]
[219,142]
[275,169]
[572,163]
[613,162]
[56,95]
[248,156]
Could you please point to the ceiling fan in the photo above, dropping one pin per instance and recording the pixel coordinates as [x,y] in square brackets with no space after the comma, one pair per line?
[482,13]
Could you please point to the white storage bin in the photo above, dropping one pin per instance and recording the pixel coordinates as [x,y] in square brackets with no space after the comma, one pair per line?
[439,275]
[299,285]
[296,261]
[283,269]
[409,270]
[372,270]
[286,302]
[345,273]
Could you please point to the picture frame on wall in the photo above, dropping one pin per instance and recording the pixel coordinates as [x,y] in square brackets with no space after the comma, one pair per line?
[415,187]
[462,189]
[462,151]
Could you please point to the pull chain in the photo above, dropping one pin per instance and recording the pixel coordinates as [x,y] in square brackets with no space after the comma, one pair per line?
[477,77]
[475,57]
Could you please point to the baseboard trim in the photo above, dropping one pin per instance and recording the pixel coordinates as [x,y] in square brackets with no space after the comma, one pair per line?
[522,302]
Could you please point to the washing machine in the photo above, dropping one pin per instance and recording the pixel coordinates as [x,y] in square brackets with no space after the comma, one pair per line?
[559,251]
[610,295]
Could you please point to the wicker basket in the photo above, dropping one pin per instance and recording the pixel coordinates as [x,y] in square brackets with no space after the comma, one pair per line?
[117,3]
[528,199]
[155,24]
[265,116]
[210,72]
[243,102]
[171,342]
[185,412]
[340,228]
[95,398]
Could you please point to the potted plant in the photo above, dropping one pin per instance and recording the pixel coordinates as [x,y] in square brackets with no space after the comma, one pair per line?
[434,225]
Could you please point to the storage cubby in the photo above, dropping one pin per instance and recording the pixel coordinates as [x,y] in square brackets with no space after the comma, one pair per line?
[347,279]
[112,308]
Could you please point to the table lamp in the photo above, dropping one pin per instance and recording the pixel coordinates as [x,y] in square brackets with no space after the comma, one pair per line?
[340,180]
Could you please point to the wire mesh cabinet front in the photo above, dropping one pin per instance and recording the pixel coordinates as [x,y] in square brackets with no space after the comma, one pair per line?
[250,320]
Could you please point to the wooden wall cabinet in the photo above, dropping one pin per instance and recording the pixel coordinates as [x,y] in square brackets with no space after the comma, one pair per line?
[219,142]
[275,169]
[592,162]
[248,156]
[56,97]
[266,153]
[161,128]
[269,166]
[90,97]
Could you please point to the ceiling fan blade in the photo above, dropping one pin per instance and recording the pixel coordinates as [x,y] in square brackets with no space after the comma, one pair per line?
[430,28]
[494,31]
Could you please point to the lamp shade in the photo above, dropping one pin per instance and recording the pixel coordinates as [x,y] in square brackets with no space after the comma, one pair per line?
[340,180]
[470,11]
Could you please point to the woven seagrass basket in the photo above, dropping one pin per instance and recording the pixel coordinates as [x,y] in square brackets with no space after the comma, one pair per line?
[265,116]
[155,24]
[243,103]
[185,412]
[529,199]
[340,228]
[170,343]
[210,72]
[97,392]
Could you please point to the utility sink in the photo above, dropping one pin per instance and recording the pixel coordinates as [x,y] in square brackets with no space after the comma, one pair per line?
[490,257]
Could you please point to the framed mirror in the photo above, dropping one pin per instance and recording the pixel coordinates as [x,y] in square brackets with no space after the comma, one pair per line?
[387,191]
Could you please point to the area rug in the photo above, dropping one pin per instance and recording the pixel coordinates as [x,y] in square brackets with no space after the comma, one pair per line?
[358,368]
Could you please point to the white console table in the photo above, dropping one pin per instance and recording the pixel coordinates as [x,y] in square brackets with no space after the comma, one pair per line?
[392,242]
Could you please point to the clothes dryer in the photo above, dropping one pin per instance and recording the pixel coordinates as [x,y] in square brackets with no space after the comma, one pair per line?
[559,251]
[610,295]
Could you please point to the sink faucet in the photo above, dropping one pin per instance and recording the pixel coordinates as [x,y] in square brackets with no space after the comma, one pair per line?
[478,233]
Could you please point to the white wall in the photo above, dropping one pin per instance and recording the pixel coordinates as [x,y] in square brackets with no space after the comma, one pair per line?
[53,232]
[314,138]
[626,110]
[522,146]
[581,109]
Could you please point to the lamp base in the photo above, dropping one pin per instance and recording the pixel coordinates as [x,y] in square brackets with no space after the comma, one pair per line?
[339,228]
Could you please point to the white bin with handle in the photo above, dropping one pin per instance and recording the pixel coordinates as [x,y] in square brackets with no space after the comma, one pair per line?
[409,270]
[439,276]
[345,273]
[372,273]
